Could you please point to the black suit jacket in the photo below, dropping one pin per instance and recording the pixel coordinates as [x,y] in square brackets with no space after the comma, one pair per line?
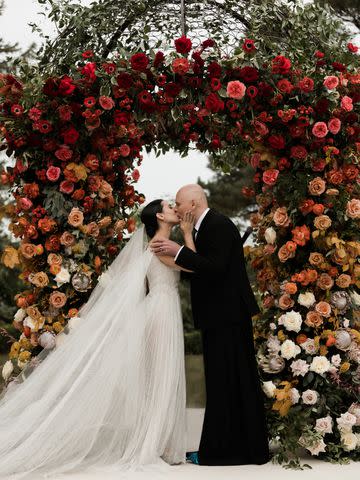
[220,289]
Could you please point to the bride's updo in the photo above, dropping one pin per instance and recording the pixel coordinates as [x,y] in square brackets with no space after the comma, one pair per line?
[148,216]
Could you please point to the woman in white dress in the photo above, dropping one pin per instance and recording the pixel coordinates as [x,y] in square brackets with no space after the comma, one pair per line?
[111,395]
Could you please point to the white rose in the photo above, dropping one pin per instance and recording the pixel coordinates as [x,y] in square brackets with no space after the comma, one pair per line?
[291,320]
[269,388]
[299,367]
[346,323]
[62,277]
[355,410]
[324,425]
[317,448]
[7,370]
[320,364]
[294,395]
[355,297]
[349,440]
[336,360]
[29,322]
[309,397]
[306,299]
[289,349]
[270,235]
[20,315]
[345,422]
[309,346]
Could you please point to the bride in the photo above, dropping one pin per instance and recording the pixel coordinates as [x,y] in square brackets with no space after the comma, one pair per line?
[111,395]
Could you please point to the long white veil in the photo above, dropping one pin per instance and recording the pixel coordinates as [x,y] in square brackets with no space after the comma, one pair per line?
[77,407]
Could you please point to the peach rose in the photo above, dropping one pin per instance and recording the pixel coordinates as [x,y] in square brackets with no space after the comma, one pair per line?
[104,222]
[76,217]
[318,208]
[322,222]
[285,302]
[54,259]
[92,229]
[57,299]
[317,186]
[105,189]
[340,256]
[284,253]
[316,259]
[313,319]
[343,280]
[33,312]
[67,239]
[40,279]
[323,308]
[325,282]
[332,192]
[290,288]
[28,250]
[119,226]
[10,257]
[353,208]
[281,218]
[301,235]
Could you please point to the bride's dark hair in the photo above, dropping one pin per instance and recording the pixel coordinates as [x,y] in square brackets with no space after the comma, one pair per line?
[148,216]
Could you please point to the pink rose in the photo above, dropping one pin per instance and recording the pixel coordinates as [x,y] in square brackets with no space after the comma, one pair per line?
[334,125]
[53,173]
[106,103]
[320,129]
[66,186]
[25,203]
[346,104]
[270,176]
[235,89]
[331,82]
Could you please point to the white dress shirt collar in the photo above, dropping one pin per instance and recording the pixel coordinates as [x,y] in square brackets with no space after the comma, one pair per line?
[200,219]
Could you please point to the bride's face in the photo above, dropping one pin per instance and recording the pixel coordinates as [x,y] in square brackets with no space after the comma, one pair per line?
[168,215]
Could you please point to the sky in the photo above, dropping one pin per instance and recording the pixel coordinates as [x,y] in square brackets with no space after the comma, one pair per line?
[159,177]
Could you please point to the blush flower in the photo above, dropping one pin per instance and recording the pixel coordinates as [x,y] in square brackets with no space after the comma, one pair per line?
[235,89]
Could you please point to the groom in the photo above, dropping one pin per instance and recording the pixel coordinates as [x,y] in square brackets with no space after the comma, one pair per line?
[234,430]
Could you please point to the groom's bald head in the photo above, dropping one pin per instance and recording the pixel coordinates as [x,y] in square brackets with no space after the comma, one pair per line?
[191,198]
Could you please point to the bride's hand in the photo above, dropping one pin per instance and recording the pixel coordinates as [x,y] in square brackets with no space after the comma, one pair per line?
[187,223]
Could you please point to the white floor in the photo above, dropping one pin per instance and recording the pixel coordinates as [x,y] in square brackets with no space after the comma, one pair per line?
[320,470]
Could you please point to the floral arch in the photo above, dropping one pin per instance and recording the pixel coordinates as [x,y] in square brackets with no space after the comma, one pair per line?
[77,141]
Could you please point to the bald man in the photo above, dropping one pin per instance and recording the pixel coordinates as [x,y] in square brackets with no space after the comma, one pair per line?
[234,430]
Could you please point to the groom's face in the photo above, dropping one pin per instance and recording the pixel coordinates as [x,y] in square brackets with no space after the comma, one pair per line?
[183,204]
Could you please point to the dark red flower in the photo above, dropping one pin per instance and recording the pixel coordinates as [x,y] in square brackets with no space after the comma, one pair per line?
[215,84]
[87,54]
[214,69]
[66,86]
[352,48]
[89,102]
[88,70]
[306,85]
[17,110]
[198,59]
[340,67]
[231,105]
[44,126]
[319,54]
[146,101]
[251,91]
[139,61]
[173,89]
[159,59]
[183,44]
[121,118]
[161,80]
[322,105]
[207,43]
[51,87]
[249,46]
[70,135]
[265,89]
[276,141]
[248,74]
[299,152]
[281,65]
[214,103]
[124,80]
[109,68]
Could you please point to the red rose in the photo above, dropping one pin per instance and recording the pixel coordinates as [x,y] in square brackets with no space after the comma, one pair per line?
[66,86]
[70,136]
[135,175]
[340,67]
[352,48]
[139,62]
[276,141]
[66,186]
[53,173]
[249,46]
[214,70]
[91,161]
[124,150]
[159,59]
[350,171]
[248,74]
[52,243]
[207,43]
[107,103]
[281,65]
[172,89]
[121,118]
[213,103]
[306,85]
[270,176]
[285,86]
[88,71]
[306,206]
[319,54]
[78,194]
[335,176]
[298,151]
[183,44]
[146,101]
[124,80]
[63,153]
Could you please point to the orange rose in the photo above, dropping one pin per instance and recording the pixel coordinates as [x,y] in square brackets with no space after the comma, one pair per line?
[316,259]
[317,186]
[285,302]
[290,288]
[67,239]
[281,218]
[57,299]
[343,280]
[75,217]
[313,319]
[322,222]
[55,268]
[73,312]
[46,224]
[353,208]
[301,235]
[284,253]
[318,208]
[311,275]
[28,250]
[325,282]
[323,308]
[301,338]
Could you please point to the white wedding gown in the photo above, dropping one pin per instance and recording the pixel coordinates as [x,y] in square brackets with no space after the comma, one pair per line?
[111,395]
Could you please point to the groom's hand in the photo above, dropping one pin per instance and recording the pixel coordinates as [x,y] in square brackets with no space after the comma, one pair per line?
[164,247]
